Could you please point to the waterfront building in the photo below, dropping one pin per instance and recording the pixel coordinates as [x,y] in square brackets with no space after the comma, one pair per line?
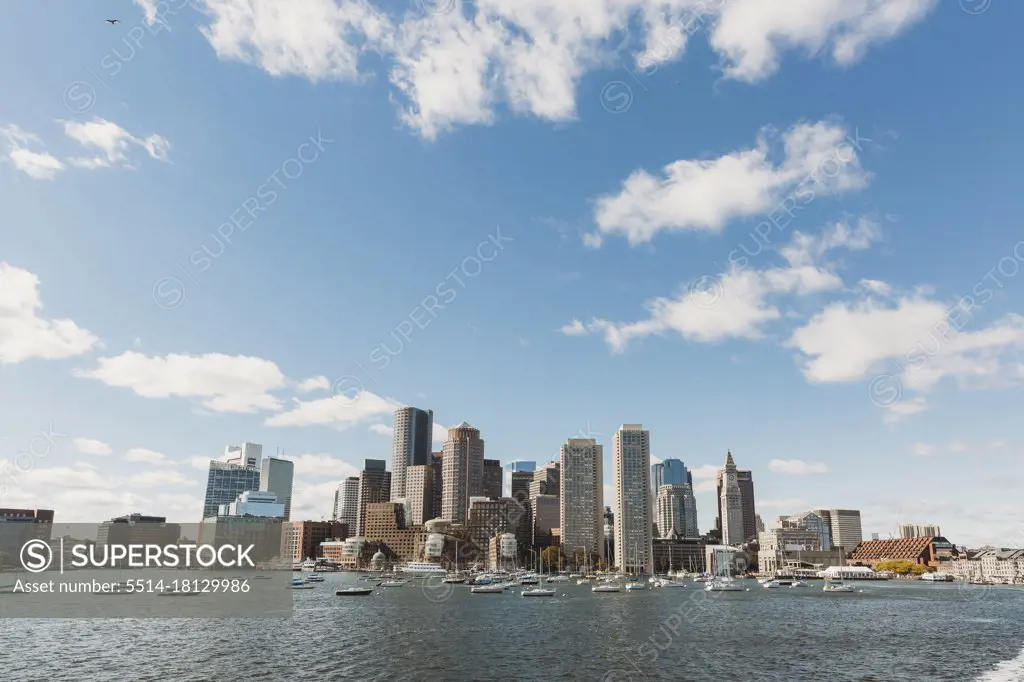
[419,494]
[411,444]
[546,480]
[676,511]
[254,503]
[374,487]
[910,530]
[502,550]
[346,502]
[301,540]
[934,552]
[264,534]
[244,455]
[730,504]
[227,480]
[18,526]
[844,526]
[745,481]
[581,496]
[276,477]
[678,553]
[795,542]
[990,564]
[631,466]
[494,478]
[386,525]
[462,467]
[547,519]
[489,517]
[137,529]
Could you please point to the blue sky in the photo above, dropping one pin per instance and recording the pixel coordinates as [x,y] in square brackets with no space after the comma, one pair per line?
[618,155]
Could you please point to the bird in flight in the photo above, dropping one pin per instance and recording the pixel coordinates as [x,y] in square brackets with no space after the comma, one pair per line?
[113,21]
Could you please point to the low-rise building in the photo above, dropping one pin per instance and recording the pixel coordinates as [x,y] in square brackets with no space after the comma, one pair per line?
[933,552]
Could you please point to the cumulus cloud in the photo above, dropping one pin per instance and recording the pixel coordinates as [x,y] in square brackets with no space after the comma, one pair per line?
[320,383]
[37,165]
[113,143]
[221,383]
[338,411]
[704,195]
[459,67]
[91,447]
[796,467]
[24,334]
[144,455]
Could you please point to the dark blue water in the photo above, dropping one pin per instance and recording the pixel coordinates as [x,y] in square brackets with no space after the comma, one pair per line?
[889,632]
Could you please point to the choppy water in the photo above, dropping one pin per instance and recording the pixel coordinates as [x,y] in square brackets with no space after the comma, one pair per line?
[890,632]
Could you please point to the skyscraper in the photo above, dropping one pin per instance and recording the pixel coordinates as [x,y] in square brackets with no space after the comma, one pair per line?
[631,464]
[844,525]
[436,484]
[730,505]
[462,471]
[545,480]
[493,478]
[411,444]
[346,503]
[374,486]
[745,480]
[245,455]
[521,481]
[226,481]
[581,496]
[419,494]
[676,511]
[667,472]
[910,530]
[276,477]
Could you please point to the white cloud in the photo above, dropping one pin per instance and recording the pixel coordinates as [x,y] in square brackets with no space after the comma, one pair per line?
[796,467]
[151,479]
[574,328]
[875,286]
[36,165]
[904,408]
[321,465]
[91,447]
[440,434]
[849,341]
[113,142]
[339,411]
[199,462]
[383,429]
[694,195]
[750,34]
[320,383]
[317,39]
[456,68]
[224,383]
[922,450]
[25,335]
[144,455]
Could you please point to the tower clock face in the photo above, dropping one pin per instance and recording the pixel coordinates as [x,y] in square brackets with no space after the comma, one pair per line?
[732,478]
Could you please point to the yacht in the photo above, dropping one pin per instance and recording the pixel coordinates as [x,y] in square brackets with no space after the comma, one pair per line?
[308,565]
[300,584]
[669,583]
[799,583]
[529,579]
[454,579]
[632,587]
[723,585]
[314,578]
[937,577]
[770,584]
[557,579]
[391,583]
[353,591]
[606,587]
[494,588]
[422,568]
[539,592]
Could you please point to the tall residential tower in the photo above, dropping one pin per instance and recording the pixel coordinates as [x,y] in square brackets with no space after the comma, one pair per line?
[411,444]
[462,472]
[581,497]
[631,464]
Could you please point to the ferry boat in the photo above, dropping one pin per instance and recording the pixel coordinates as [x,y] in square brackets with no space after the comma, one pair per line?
[937,577]
[314,578]
[422,568]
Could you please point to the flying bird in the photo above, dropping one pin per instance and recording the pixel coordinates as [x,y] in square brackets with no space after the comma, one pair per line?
[113,21]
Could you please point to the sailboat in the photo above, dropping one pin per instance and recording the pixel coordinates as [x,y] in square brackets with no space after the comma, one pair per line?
[722,581]
[455,578]
[635,584]
[838,585]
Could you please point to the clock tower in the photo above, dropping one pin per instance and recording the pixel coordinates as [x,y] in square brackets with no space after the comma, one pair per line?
[731,505]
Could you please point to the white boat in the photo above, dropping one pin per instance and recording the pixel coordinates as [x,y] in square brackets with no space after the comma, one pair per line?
[308,565]
[496,588]
[539,592]
[314,578]
[633,587]
[353,592]
[720,585]
[391,583]
[770,584]
[422,568]
[606,587]
[937,577]
[557,579]
[831,586]
[798,583]
[582,581]
[575,575]
[454,579]
[669,583]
